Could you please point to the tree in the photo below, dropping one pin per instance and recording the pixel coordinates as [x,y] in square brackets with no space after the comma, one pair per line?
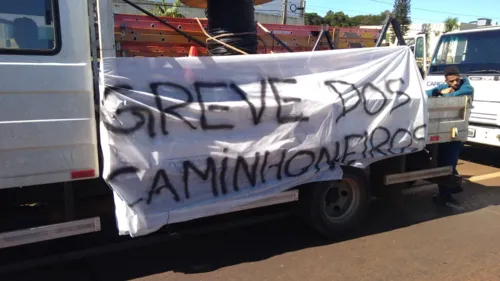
[337,19]
[313,19]
[368,19]
[340,19]
[402,14]
[450,24]
[163,9]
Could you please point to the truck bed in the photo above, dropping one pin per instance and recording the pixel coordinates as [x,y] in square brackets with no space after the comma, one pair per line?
[448,119]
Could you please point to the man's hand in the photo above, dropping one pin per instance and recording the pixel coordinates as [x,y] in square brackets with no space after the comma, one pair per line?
[447,91]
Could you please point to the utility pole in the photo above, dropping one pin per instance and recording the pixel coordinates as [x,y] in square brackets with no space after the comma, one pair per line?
[302,7]
[285,10]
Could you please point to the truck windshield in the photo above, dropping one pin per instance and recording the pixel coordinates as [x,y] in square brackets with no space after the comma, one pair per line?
[470,52]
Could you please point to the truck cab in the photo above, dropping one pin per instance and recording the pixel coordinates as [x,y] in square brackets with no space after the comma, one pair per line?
[47,117]
[477,55]
[48,129]
[418,45]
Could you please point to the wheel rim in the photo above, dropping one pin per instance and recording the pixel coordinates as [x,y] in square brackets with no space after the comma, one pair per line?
[341,199]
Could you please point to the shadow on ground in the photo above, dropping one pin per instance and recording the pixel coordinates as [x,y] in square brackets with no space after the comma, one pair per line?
[480,154]
[205,253]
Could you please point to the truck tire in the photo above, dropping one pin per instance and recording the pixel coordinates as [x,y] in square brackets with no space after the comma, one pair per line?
[334,208]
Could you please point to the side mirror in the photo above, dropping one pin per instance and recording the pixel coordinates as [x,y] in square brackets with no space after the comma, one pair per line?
[412,48]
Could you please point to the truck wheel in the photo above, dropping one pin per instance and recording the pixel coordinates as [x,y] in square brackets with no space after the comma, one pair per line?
[335,207]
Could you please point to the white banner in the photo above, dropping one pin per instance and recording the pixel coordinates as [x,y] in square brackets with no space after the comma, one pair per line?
[185,138]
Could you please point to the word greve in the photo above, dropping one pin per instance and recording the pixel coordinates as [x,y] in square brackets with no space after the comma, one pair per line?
[146,118]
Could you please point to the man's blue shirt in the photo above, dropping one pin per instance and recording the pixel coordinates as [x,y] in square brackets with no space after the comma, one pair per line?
[465,89]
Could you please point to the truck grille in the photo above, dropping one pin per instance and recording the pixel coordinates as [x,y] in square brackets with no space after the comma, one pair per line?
[487,118]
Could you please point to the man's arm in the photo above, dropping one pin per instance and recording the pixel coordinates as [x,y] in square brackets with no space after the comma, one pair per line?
[465,90]
[434,92]
[430,92]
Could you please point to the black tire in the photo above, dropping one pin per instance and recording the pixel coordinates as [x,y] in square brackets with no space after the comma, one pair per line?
[337,207]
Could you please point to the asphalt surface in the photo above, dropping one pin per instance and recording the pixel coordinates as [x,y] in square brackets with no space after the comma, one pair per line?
[405,238]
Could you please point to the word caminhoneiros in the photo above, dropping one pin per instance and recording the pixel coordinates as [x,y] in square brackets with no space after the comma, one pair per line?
[326,156]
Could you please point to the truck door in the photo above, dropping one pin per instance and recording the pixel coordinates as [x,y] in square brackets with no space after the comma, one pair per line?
[47,119]
[420,51]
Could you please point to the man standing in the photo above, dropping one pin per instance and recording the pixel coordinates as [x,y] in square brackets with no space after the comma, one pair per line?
[448,153]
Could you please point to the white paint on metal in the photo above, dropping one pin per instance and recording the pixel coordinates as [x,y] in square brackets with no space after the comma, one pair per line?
[47,115]
[49,232]
[418,175]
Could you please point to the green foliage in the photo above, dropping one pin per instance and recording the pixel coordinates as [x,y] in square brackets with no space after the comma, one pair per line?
[402,14]
[337,19]
[450,24]
[163,9]
[402,11]
[342,20]
[313,19]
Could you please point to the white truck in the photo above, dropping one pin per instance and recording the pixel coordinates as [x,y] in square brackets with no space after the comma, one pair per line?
[476,54]
[50,156]
[418,44]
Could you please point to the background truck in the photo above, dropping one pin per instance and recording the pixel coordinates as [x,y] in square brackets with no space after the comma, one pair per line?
[50,185]
[419,45]
[475,52]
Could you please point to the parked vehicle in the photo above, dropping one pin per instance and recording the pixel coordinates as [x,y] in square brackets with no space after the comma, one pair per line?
[475,53]
[50,156]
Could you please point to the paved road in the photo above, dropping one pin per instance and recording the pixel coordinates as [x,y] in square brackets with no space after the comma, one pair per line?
[406,239]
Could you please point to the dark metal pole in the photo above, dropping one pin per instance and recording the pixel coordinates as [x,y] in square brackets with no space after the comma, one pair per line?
[316,45]
[397,30]
[324,33]
[329,39]
[271,33]
[284,13]
[383,32]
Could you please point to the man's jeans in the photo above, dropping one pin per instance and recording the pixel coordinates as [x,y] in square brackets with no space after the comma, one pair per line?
[448,156]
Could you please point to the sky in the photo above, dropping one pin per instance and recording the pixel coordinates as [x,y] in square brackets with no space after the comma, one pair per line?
[422,11]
